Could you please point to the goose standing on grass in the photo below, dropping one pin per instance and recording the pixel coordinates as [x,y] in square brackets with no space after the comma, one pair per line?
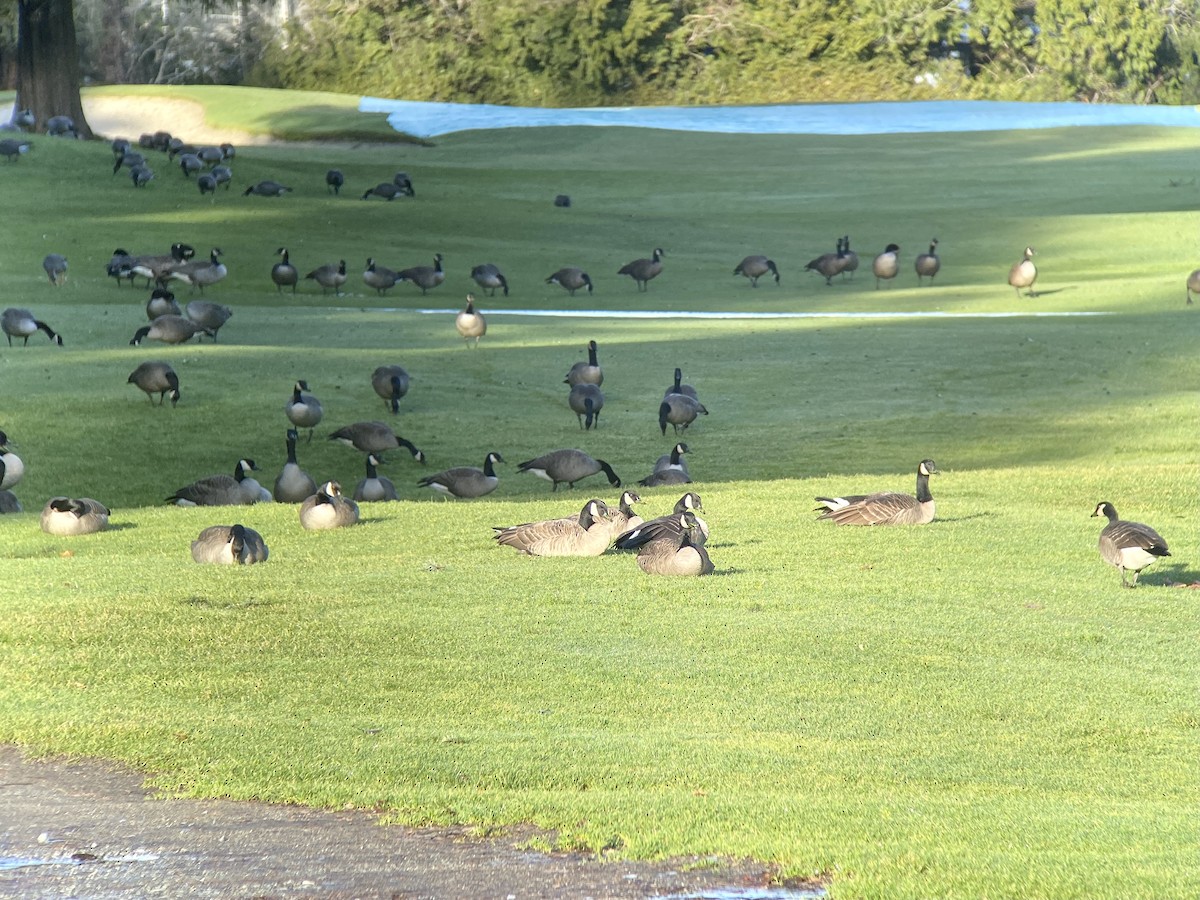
[466,481]
[202,274]
[884,508]
[238,489]
[643,270]
[208,314]
[293,484]
[222,175]
[689,503]
[14,150]
[886,265]
[567,467]
[470,323]
[70,516]
[55,266]
[489,277]
[162,303]
[21,323]
[680,388]
[1129,546]
[755,267]
[588,372]
[586,534]
[1193,285]
[334,179]
[374,437]
[229,545]
[141,175]
[327,509]
[425,277]
[586,401]
[679,411]
[927,264]
[391,384]
[12,469]
[571,279]
[669,549]
[266,188]
[283,273]
[374,488]
[330,276]
[156,377]
[379,277]
[303,410]
[1023,274]
[830,264]
[169,330]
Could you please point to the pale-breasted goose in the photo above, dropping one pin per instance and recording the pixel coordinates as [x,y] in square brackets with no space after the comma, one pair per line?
[156,377]
[586,372]
[466,481]
[283,273]
[586,534]
[55,267]
[571,279]
[374,437]
[162,303]
[470,323]
[755,267]
[689,503]
[169,330]
[238,489]
[567,466]
[1129,546]
[293,484]
[71,516]
[678,387]
[330,276]
[927,264]
[1023,274]
[12,469]
[829,264]
[20,323]
[586,400]
[391,384]
[886,265]
[1193,285]
[425,277]
[327,509]
[201,274]
[266,188]
[374,488]
[884,508]
[671,468]
[489,277]
[303,410]
[229,545]
[669,550]
[643,270]
[623,518]
[208,314]
[379,277]
[679,411]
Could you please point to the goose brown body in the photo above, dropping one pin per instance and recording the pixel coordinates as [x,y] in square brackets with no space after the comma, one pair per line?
[643,271]
[668,548]
[71,516]
[568,466]
[470,323]
[571,279]
[1023,274]
[927,264]
[391,384]
[156,377]
[755,267]
[586,534]
[1128,546]
[466,481]
[229,545]
[885,507]
[328,509]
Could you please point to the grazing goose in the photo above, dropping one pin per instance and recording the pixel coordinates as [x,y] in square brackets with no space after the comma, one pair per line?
[70,516]
[425,277]
[1193,285]
[1023,274]
[927,264]
[228,151]
[283,273]
[390,383]
[207,184]
[679,388]
[489,277]
[330,276]
[130,159]
[141,175]
[238,489]
[162,303]
[586,372]
[327,509]
[293,484]
[20,323]
[222,175]
[1128,546]
[642,270]
[386,189]
[374,437]
[120,146]
[209,315]
[830,264]
[567,466]
[571,279]
[689,503]
[201,274]
[466,481]
[229,545]
[9,504]
[679,411]
[334,179]
[12,470]
[156,377]
[303,410]
[886,265]
[55,267]
[14,150]
[586,400]
[755,267]
[850,263]
[210,155]
[885,508]
[470,323]
[586,534]
[266,189]
[669,550]
[375,488]
[190,164]
[379,277]
[169,330]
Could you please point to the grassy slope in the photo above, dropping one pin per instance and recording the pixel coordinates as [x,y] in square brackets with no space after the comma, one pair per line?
[971,708]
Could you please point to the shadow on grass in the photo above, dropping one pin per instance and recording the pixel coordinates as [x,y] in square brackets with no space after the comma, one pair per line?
[328,122]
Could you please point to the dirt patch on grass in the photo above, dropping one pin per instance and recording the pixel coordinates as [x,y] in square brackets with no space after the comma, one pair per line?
[129,117]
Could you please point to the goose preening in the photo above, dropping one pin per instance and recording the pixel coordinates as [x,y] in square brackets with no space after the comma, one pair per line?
[466,481]
[238,489]
[927,264]
[1023,274]
[586,534]
[162,303]
[470,323]
[678,387]
[374,437]
[830,264]
[669,549]
[169,330]
[327,509]
[755,267]
[330,276]
[209,315]
[381,278]
[156,377]
[886,507]
[229,545]
[293,484]
[643,270]
[567,467]
[70,516]
[283,273]
[886,265]
[689,503]
[12,469]
[266,188]
[374,487]
[489,277]
[21,323]
[55,267]
[1129,546]
[425,277]
[303,410]
[588,372]
[586,401]
[571,279]
[679,411]
[391,384]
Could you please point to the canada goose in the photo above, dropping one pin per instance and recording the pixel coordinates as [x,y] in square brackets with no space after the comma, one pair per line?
[755,267]
[303,410]
[177,145]
[669,550]
[190,164]
[586,534]
[14,150]
[157,268]
[679,411]
[222,175]
[61,126]
[210,155]
[266,189]
[169,330]
[563,201]
[327,508]
[390,383]
[1193,285]
[330,276]
[624,518]
[1128,546]
[12,469]
[567,466]
[466,481]
[70,516]
[1023,274]
[199,273]
[489,277]
[849,258]
[586,372]
[293,484]
[334,179]
[927,264]
[586,401]
[425,277]
[386,189]
[379,277]
[229,545]
[207,184]
[162,303]
[642,270]
[141,175]
[161,141]
[228,151]
[120,266]
[208,314]
[55,266]
[238,489]
[671,468]
[20,323]
[470,322]
[374,488]
[374,437]
[689,503]
[884,508]
[571,279]
[830,264]
[886,265]
[156,377]
[9,504]
[679,388]
[130,159]
[283,273]
[120,146]
[402,181]
[24,119]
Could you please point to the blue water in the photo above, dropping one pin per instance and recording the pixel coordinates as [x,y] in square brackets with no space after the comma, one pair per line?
[432,119]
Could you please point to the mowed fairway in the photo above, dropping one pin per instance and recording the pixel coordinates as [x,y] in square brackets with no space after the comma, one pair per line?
[973,708]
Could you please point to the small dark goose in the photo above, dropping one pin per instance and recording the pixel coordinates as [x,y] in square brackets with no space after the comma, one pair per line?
[238,489]
[489,277]
[927,264]
[586,401]
[571,279]
[374,437]
[391,384]
[283,273]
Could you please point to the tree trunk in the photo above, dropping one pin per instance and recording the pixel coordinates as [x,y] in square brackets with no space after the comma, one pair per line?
[48,62]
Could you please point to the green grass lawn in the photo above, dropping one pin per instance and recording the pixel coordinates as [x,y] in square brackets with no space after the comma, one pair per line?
[974,708]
